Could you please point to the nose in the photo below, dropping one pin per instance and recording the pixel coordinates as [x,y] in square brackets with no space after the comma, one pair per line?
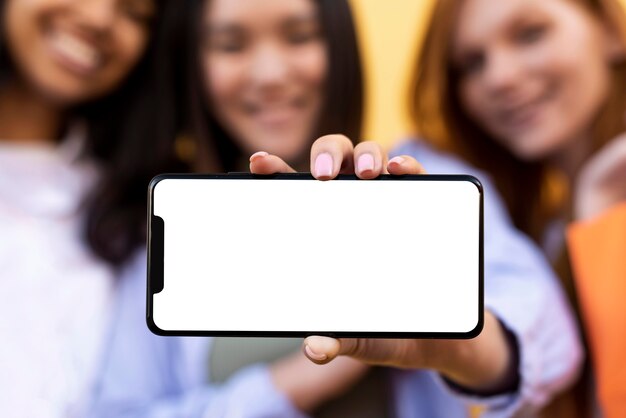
[97,15]
[503,71]
[270,65]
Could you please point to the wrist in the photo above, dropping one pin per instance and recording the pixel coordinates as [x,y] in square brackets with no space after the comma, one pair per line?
[487,364]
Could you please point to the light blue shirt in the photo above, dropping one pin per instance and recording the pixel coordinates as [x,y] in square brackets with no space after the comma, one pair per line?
[144,375]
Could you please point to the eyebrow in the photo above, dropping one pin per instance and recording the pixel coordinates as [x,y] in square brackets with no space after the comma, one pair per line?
[229,27]
[145,6]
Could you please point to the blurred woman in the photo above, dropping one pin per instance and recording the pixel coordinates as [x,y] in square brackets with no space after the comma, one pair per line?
[78,144]
[256,74]
[273,76]
[532,92]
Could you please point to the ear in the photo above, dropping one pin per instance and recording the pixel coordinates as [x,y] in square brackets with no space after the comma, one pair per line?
[615,48]
[614,34]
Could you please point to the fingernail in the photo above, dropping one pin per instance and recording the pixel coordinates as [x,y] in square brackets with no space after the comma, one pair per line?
[396,160]
[314,355]
[323,165]
[257,155]
[365,163]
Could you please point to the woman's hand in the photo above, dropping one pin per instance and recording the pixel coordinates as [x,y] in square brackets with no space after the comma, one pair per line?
[602,181]
[483,364]
[334,154]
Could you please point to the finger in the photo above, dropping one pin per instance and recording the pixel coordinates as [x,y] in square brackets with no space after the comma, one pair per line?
[264,163]
[321,350]
[369,160]
[403,164]
[330,155]
[377,351]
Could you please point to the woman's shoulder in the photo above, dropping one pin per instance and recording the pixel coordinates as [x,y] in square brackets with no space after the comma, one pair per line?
[436,161]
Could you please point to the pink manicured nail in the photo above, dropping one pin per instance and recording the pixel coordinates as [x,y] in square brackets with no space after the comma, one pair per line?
[257,155]
[396,160]
[323,165]
[364,163]
[314,355]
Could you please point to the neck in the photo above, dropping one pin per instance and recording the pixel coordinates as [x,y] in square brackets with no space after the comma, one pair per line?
[26,116]
[573,157]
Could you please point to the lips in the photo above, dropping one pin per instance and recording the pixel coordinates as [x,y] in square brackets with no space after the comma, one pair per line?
[524,112]
[74,53]
[274,114]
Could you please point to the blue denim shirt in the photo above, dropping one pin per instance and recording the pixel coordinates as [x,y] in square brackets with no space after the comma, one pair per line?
[144,375]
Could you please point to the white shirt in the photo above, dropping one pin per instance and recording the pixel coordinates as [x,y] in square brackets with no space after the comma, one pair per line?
[54,293]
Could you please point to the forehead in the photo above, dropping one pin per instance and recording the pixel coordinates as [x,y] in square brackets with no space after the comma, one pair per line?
[479,21]
[256,11]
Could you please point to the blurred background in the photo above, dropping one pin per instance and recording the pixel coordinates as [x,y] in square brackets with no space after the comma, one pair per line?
[388,70]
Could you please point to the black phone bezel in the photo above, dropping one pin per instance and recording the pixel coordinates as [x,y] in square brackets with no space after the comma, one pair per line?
[155,259]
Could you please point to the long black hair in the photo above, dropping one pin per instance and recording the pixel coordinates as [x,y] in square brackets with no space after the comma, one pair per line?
[342,110]
[129,135]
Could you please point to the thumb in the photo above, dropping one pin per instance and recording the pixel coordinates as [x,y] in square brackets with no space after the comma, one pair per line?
[322,350]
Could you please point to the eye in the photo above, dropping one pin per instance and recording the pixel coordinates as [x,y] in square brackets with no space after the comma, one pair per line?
[299,32]
[228,40]
[530,34]
[302,36]
[140,11]
[227,46]
[471,64]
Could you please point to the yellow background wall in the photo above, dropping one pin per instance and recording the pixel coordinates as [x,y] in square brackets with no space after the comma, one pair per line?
[389,32]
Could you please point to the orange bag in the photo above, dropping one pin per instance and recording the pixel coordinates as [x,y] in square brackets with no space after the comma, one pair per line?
[598,253]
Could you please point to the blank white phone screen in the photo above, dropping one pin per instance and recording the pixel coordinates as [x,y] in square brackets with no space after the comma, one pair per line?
[395,256]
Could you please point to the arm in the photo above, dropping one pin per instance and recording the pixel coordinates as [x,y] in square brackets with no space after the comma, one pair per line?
[525,295]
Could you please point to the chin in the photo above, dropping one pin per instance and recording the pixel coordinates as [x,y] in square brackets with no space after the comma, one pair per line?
[62,92]
[535,150]
[288,147]
[65,98]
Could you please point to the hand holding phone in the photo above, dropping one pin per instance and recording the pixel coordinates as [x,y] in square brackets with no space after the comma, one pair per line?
[486,364]
[287,255]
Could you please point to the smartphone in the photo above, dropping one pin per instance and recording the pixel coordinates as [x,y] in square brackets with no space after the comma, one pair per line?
[288,255]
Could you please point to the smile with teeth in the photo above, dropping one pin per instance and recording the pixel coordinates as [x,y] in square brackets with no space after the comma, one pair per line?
[74,53]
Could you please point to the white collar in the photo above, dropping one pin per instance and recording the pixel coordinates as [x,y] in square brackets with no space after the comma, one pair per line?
[44,179]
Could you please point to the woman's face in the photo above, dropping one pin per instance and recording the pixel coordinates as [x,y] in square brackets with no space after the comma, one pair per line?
[71,51]
[265,65]
[533,73]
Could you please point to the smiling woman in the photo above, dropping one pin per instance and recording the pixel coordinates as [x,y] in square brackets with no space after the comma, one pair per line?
[70,64]
[529,86]
[532,91]
[69,59]
[272,80]
[264,72]
[270,74]
[77,111]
